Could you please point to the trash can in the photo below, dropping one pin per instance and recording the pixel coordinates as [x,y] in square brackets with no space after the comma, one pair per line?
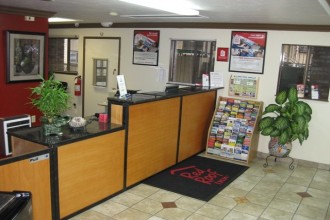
[16,205]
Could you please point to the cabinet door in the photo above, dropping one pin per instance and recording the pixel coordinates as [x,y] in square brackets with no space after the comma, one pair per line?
[197,112]
[31,175]
[89,171]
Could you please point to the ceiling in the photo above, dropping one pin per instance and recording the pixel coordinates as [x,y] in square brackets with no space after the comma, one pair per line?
[292,12]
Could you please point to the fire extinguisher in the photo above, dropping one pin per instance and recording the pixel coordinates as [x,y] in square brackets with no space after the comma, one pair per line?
[77,86]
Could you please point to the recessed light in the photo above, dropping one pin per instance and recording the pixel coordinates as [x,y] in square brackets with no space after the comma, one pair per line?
[113,13]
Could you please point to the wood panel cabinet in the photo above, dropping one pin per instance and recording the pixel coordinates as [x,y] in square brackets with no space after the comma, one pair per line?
[197,112]
[89,171]
[31,175]
[152,138]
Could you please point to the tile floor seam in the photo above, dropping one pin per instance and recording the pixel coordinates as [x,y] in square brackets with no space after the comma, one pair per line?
[231,211]
[302,198]
[273,198]
[233,208]
[206,215]
[294,213]
[108,215]
[265,174]
[192,213]
[143,211]
[155,214]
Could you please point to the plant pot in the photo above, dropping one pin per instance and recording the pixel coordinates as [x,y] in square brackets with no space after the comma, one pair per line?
[53,125]
[279,150]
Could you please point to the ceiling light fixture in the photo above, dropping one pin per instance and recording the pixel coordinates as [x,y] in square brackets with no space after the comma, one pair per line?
[56,19]
[164,16]
[113,13]
[174,6]
[106,24]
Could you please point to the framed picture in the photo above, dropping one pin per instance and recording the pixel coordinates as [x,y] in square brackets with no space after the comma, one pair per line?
[145,47]
[247,52]
[25,56]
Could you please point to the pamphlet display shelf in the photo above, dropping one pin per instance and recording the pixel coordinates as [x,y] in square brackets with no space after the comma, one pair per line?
[233,134]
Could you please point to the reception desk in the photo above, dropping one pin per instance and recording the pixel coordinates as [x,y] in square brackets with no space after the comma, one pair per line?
[162,128]
[147,133]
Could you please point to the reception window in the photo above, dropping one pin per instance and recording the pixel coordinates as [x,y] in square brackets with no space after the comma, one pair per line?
[190,59]
[307,68]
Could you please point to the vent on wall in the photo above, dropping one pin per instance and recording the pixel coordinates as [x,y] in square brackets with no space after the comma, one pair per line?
[163,16]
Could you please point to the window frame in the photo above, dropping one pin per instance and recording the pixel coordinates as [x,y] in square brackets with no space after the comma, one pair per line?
[194,76]
[68,56]
[303,55]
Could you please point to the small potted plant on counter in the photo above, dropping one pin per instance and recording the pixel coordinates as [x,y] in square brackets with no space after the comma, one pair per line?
[285,122]
[52,100]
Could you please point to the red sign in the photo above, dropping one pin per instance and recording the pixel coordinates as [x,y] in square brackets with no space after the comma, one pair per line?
[222,54]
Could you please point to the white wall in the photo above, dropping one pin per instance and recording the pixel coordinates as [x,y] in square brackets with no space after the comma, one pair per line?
[316,148]
[75,100]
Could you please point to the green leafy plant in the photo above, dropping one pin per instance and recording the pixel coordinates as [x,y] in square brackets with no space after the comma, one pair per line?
[288,119]
[50,97]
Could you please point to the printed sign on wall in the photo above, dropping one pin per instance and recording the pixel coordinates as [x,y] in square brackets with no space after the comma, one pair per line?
[145,47]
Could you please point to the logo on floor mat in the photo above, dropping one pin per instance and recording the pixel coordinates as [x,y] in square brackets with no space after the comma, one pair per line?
[207,176]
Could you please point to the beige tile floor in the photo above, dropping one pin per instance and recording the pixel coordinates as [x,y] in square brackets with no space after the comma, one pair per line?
[274,192]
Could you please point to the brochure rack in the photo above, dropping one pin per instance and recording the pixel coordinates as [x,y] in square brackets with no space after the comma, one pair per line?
[233,133]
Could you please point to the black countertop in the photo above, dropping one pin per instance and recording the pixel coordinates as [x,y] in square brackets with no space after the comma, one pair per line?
[69,135]
[158,95]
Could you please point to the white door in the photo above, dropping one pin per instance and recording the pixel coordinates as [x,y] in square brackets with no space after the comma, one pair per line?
[96,94]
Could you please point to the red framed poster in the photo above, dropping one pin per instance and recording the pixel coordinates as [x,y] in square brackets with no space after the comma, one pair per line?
[145,47]
[247,52]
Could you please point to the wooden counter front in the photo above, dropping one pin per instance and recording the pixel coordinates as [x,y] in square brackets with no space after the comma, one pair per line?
[152,138]
[31,175]
[197,112]
[89,171]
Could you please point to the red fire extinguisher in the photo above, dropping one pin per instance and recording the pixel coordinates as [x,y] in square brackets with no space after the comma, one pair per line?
[77,86]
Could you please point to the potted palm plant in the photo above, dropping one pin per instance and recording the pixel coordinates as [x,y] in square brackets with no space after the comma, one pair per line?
[52,100]
[285,121]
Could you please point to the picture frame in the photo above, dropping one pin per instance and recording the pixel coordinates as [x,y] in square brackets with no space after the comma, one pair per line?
[25,56]
[146,47]
[247,51]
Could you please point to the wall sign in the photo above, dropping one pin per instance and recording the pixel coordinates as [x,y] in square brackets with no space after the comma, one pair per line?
[222,54]
[247,52]
[243,86]
[145,47]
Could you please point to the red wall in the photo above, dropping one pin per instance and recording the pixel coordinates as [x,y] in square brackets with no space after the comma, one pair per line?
[14,96]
